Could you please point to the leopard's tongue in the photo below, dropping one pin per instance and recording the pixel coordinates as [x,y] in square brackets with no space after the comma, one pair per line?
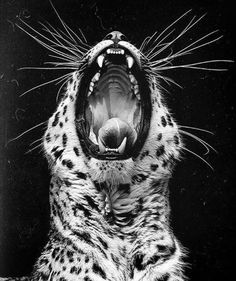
[114,110]
[116,134]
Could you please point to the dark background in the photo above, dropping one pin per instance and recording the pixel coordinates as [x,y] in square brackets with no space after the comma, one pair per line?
[202,200]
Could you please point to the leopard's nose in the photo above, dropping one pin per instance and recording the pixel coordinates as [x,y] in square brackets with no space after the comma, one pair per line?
[115,36]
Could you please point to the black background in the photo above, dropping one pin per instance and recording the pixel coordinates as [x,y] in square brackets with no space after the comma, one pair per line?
[202,200]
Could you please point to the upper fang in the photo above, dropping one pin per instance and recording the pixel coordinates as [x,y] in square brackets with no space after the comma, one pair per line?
[100,60]
[130,61]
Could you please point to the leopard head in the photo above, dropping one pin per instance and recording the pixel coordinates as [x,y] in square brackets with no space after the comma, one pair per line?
[112,122]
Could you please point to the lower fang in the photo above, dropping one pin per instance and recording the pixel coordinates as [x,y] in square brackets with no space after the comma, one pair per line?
[100,60]
[102,148]
[130,61]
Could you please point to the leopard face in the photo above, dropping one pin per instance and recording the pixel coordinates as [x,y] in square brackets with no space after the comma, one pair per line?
[112,122]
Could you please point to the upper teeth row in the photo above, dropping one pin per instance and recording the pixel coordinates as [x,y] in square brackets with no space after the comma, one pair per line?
[116,52]
[101,58]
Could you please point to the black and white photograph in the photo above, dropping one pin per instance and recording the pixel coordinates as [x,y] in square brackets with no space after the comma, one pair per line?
[117,124]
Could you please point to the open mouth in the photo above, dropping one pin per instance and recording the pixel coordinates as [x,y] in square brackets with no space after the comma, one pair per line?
[113,107]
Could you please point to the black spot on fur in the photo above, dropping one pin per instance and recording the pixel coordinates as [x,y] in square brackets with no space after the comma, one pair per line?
[159,137]
[43,261]
[154,167]
[64,109]
[104,243]
[67,183]
[55,252]
[86,260]
[91,202]
[163,121]
[176,140]
[48,137]
[145,153]
[98,270]
[69,254]
[71,98]
[154,259]
[138,262]
[86,278]
[80,207]
[58,153]
[73,269]
[68,163]
[169,120]
[56,119]
[160,151]
[81,175]
[64,139]
[62,279]
[139,178]
[76,150]
[54,148]
[124,187]
[61,124]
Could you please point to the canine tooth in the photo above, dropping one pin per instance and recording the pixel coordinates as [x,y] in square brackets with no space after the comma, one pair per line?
[132,79]
[108,51]
[91,86]
[121,148]
[122,52]
[130,61]
[96,77]
[100,60]
[102,148]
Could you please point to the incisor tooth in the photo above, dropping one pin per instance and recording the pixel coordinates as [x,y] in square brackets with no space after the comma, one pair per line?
[100,60]
[121,148]
[130,61]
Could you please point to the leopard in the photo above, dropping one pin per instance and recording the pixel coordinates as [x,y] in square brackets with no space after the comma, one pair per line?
[111,145]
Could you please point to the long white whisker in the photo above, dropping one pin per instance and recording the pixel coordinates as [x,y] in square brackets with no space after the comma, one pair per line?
[190,25]
[198,156]
[46,83]
[32,149]
[195,128]
[25,132]
[194,66]
[57,35]
[40,139]
[59,90]
[63,23]
[168,27]
[158,46]
[40,34]
[46,68]
[71,58]
[202,142]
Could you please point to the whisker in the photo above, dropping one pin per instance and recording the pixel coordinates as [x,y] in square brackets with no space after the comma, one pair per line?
[198,156]
[45,83]
[56,35]
[71,58]
[189,26]
[46,68]
[38,140]
[194,66]
[32,149]
[168,27]
[25,132]
[195,128]
[62,22]
[202,142]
